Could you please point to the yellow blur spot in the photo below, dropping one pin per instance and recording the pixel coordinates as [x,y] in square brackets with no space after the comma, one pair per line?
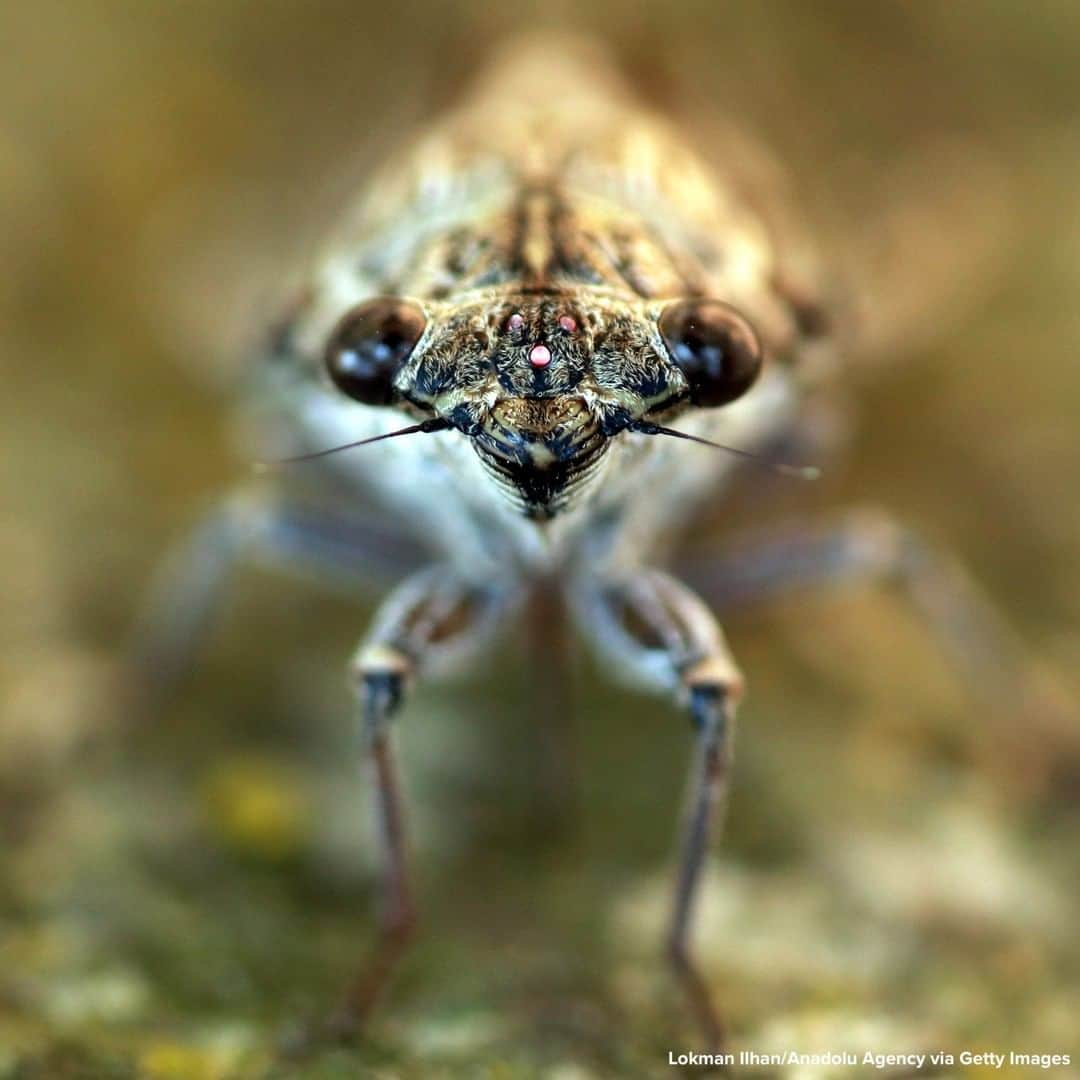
[171,1061]
[257,806]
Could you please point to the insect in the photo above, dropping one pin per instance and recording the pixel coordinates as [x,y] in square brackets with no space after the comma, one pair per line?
[534,317]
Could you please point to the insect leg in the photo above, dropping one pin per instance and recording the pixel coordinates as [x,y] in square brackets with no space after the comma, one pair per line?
[713,716]
[656,633]
[250,527]
[380,693]
[869,546]
[430,624]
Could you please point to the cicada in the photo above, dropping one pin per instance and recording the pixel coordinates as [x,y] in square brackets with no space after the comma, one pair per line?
[526,352]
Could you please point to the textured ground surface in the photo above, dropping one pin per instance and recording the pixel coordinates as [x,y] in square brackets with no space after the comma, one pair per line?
[172,899]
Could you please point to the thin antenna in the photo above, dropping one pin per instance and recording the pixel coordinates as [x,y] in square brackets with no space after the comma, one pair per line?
[436,424]
[799,472]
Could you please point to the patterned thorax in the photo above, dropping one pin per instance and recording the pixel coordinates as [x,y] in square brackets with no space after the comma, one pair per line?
[540,243]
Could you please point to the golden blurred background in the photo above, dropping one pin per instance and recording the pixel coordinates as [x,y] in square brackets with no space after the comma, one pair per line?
[173,897]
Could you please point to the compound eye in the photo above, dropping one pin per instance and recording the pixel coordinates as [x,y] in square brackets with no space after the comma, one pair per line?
[714,347]
[369,345]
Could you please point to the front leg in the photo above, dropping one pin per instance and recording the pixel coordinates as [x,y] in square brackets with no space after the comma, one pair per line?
[655,633]
[430,624]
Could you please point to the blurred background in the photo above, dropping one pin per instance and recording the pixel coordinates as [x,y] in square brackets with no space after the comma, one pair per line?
[174,896]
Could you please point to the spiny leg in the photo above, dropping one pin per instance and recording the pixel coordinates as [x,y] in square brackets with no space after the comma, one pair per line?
[432,622]
[871,546]
[251,527]
[656,634]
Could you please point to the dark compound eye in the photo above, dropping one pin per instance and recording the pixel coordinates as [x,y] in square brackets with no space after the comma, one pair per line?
[714,347]
[369,346]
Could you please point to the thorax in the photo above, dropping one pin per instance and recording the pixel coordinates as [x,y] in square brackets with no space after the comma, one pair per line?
[584,206]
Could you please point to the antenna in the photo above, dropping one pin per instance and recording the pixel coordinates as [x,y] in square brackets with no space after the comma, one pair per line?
[799,472]
[436,424]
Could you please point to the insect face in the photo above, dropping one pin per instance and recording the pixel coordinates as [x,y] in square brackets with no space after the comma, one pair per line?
[542,384]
